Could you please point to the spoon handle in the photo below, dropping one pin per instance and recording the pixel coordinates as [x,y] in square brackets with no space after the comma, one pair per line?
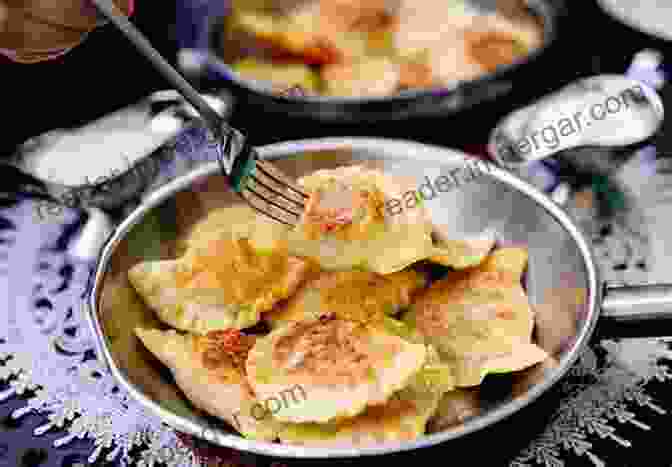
[110,11]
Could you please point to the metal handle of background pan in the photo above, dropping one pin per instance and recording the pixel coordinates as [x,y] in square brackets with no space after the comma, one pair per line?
[632,303]
[606,111]
[222,131]
[151,124]
[635,311]
[231,140]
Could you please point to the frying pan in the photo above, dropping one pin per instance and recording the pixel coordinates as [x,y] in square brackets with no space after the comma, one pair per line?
[209,52]
[562,279]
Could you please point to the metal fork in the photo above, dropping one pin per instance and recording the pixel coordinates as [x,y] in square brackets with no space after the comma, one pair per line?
[259,183]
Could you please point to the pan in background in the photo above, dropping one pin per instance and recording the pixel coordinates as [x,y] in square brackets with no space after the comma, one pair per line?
[206,40]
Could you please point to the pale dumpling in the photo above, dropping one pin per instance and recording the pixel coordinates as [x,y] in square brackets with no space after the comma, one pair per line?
[403,418]
[479,318]
[345,225]
[235,222]
[342,366]
[222,284]
[212,379]
[356,295]
[350,221]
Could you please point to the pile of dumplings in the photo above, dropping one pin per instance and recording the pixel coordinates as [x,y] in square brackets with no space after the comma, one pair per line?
[331,333]
[370,48]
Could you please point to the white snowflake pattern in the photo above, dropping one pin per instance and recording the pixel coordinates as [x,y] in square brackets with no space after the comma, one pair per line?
[590,408]
[43,347]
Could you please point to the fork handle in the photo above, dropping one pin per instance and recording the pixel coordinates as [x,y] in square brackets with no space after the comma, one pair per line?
[214,121]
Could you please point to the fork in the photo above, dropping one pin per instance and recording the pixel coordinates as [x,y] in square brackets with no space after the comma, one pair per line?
[265,188]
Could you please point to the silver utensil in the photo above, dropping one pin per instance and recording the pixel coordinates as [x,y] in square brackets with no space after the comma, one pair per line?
[259,183]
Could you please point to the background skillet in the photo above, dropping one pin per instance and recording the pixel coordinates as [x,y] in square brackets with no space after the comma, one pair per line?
[407,113]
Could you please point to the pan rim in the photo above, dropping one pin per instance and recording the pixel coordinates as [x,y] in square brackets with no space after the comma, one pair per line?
[412,150]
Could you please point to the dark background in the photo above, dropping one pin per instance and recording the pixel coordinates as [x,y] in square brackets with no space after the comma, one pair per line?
[105,73]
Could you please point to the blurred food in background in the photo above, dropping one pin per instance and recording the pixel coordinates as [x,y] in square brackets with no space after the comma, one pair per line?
[365,48]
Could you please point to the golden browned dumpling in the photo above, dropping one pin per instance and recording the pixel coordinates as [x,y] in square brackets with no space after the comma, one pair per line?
[318,33]
[235,222]
[342,366]
[345,226]
[353,220]
[356,295]
[480,319]
[357,78]
[402,418]
[217,285]
[211,373]
[282,77]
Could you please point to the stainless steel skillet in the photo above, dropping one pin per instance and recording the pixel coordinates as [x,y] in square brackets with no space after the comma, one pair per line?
[562,278]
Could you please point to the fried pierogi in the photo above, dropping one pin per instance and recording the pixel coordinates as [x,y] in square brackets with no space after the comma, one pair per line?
[235,222]
[480,319]
[210,371]
[343,366]
[347,224]
[316,33]
[403,418]
[217,285]
[355,295]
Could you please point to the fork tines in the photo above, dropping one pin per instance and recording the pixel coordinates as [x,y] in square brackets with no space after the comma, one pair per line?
[272,193]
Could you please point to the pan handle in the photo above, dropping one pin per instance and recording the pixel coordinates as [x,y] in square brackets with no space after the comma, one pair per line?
[635,311]
[637,302]
[600,111]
